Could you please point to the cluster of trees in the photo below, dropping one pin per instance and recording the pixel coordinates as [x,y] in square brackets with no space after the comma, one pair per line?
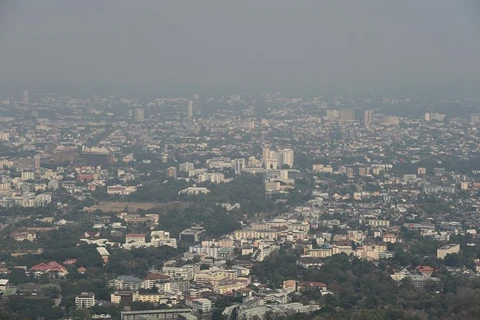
[122,262]
[205,210]
[96,139]
[247,190]
[423,250]
[450,163]
[159,191]
[43,307]
[363,290]
[17,308]
[433,205]
[215,219]
[25,211]
[138,260]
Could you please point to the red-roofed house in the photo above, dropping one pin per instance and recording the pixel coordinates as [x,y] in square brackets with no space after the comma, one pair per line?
[69,262]
[82,177]
[425,270]
[52,268]
[24,235]
[82,270]
[290,285]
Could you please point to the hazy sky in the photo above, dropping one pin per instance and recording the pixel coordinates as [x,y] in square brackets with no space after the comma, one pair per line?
[238,43]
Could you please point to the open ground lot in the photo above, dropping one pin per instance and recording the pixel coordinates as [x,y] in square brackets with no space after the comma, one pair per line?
[134,206]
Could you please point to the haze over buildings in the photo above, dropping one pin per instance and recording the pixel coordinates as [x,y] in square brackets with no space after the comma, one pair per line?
[152,165]
[268,44]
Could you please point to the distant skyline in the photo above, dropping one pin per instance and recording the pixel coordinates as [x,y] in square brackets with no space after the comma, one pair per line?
[245,44]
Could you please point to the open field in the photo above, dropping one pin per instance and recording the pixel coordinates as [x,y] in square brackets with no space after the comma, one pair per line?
[134,206]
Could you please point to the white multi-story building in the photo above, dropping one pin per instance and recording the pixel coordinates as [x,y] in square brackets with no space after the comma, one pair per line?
[332,115]
[238,165]
[85,300]
[186,272]
[4,136]
[276,159]
[285,157]
[203,305]
[187,166]
[162,238]
[121,190]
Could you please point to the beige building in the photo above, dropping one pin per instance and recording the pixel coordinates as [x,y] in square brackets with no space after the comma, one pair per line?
[342,247]
[123,297]
[318,253]
[378,223]
[447,249]
[152,298]
[231,285]
[222,243]
[389,237]
[213,278]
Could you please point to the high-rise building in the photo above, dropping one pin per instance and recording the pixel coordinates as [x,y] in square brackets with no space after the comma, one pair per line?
[171,173]
[368,119]
[277,159]
[139,114]
[249,124]
[285,157]
[190,109]
[346,115]
[36,161]
[266,153]
[390,121]
[438,116]
[350,172]
[187,166]
[332,115]
[238,165]
[429,116]
[25,97]
[475,118]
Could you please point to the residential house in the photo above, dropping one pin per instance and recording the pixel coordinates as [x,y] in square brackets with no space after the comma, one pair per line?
[23,235]
[51,268]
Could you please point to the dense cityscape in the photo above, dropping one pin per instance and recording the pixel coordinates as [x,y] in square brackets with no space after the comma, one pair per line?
[239,207]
